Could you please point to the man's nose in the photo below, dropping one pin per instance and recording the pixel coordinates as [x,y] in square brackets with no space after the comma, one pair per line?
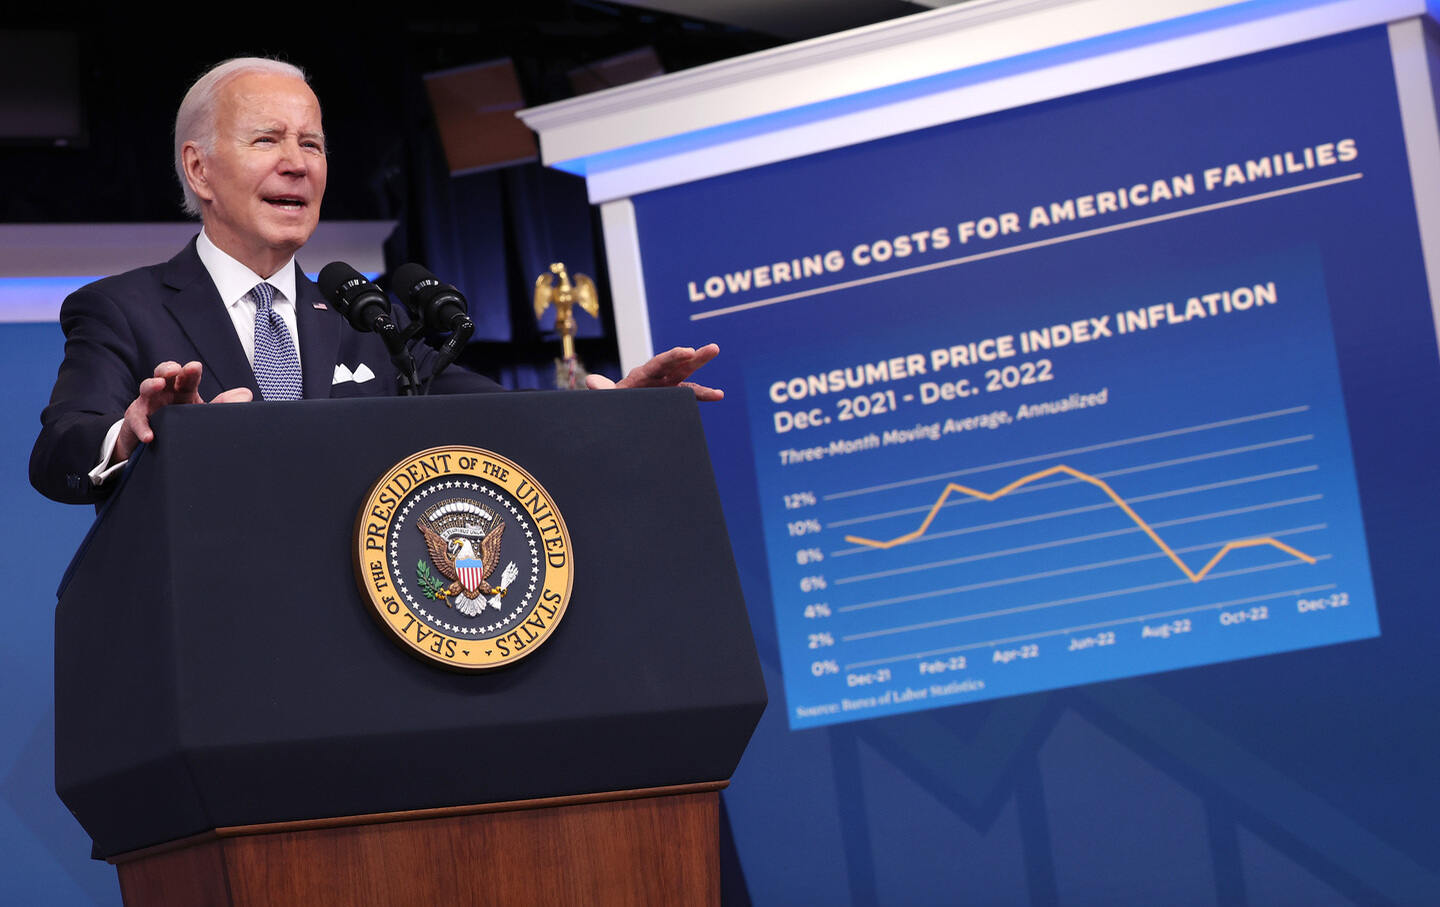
[292,158]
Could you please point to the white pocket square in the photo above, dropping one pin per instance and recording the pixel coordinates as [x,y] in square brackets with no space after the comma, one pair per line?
[361,374]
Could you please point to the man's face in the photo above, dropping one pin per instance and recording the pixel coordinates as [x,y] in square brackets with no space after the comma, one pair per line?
[261,185]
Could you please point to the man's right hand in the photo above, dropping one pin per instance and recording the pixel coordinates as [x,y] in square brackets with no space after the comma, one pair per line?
[172,384]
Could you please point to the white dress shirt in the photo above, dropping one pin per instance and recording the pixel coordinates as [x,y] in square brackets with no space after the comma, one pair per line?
[234,281]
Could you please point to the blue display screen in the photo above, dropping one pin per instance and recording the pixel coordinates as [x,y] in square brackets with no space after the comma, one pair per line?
[1112,481]
[1055,396]
[1078,461]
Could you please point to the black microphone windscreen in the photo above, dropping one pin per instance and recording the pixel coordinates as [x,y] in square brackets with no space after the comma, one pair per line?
[333,275]
[408,277]
[358,301]
[438,305]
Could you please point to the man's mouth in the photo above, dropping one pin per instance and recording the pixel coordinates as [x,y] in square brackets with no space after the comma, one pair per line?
[286,201]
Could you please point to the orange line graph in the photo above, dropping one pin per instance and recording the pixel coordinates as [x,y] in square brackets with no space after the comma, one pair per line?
[1195,576]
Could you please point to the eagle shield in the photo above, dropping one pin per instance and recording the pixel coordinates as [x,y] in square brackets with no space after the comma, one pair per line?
[471,574]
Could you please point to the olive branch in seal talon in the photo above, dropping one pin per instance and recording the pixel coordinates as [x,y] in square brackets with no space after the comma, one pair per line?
[430,584]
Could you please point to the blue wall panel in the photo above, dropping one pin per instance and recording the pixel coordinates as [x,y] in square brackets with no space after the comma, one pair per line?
[45,852]
[1275,731]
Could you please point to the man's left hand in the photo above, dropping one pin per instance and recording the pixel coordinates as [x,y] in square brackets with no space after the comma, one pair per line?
[669,369]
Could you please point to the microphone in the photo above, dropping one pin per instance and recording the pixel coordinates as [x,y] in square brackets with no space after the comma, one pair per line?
[357,300]
[439,305]
[367,308]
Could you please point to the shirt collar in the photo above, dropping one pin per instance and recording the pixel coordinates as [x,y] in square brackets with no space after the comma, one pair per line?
[234,280]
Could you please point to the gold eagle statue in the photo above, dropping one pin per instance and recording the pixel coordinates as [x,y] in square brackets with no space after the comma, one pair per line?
[565,295]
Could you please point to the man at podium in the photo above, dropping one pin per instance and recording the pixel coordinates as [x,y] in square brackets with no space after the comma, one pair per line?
[232,306]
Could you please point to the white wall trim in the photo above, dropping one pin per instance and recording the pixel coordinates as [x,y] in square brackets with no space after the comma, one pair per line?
[1409,48]
[627,283]
[948,40]
[40,264]
[97,250]
[957,104]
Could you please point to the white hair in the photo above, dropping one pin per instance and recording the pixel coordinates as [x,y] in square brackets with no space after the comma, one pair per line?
[195,120]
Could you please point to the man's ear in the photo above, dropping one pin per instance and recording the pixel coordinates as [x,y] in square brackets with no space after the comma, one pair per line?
[196,175]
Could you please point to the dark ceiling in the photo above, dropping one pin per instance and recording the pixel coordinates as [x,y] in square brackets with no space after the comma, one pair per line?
[366,72]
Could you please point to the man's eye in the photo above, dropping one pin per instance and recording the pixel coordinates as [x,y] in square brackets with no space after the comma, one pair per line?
[265,140]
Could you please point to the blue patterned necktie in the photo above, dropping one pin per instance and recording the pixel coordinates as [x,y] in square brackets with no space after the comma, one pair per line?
[277,367]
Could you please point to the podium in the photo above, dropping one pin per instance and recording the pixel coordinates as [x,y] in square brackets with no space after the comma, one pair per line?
[233,725]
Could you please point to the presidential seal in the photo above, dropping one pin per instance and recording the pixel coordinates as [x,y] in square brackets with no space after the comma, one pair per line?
[463,557]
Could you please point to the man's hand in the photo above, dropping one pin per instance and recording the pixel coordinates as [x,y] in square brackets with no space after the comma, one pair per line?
[172,384]
[669,369]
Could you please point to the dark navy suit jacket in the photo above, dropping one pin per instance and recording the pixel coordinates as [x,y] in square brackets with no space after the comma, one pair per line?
[118,329]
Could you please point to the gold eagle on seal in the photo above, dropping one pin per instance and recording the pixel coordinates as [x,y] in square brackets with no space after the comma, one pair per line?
[453,531]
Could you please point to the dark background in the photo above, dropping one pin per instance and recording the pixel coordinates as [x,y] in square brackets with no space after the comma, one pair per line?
[489,233]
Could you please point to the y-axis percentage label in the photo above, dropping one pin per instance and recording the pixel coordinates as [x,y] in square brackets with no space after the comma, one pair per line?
[799,499]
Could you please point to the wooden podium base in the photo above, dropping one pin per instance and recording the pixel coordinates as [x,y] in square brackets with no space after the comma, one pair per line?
[654,846]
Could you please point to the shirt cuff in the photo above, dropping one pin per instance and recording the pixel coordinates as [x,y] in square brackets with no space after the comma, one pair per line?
[105,469]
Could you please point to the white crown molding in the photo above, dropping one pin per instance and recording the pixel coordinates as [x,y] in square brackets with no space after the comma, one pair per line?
[946,40]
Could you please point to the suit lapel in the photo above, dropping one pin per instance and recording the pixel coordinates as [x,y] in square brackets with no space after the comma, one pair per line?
[319,337]
[197,307]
